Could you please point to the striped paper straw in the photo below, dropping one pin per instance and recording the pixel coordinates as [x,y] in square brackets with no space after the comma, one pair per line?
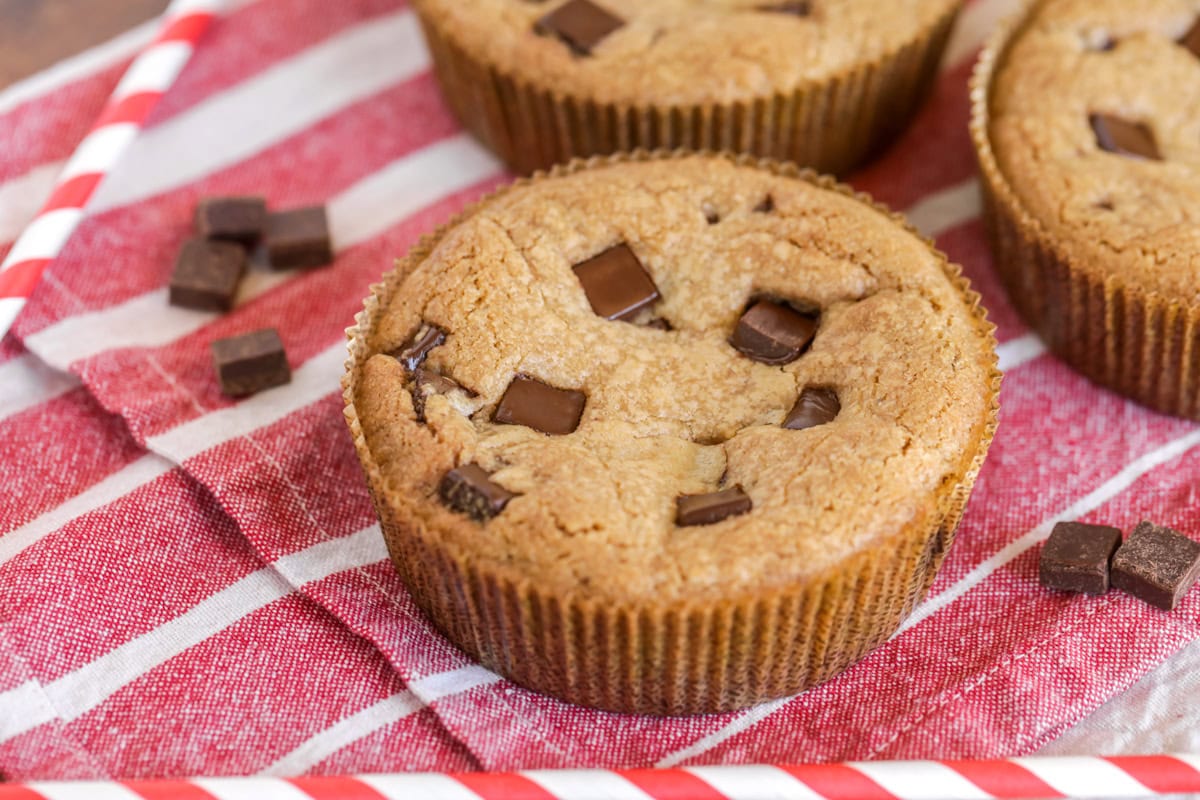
[147,79]
[1084,777]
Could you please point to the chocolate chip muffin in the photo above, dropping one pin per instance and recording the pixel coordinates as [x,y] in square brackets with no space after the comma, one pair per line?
[819,82]
[671,434]
[1087,126]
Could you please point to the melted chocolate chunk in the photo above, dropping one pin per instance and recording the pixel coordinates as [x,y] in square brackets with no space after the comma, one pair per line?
[1191,39]
[298,238]
[427,382]
[1124,138]
[537,405]
[235,219]
[206,275]
[801,8]
[1156,564]
[616,283]
[469,489]
[413,352]
[816,406]
[766,206]
[251,362]
[705,509]
[1076,557]
[580,24]
[773,333]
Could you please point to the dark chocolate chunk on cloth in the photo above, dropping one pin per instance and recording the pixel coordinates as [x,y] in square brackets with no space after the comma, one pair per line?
[236,219]
[581,24]
[1123,137]
[298,238]
[206,275]
[1076,557]
[469,489]
[773,333]
[705,509]
[1156,564]
[251,362]
[815,406]
[529,402]
[616,284]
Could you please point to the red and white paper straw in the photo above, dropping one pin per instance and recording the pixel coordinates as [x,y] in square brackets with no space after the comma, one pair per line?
[1083,777]
[149,77]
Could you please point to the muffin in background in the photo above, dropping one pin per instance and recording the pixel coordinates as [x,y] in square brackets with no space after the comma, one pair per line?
[1086,124]
[823,83]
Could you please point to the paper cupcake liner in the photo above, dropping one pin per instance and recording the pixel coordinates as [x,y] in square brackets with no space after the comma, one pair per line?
[1143,345]
[830,125]
[678,657]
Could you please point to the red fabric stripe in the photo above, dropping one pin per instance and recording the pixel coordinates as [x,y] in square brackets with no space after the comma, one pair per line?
[1003,778]
[167,790]
[1161,774]
[335,788]
[188,28]
[12,791]
[674,784]
[134,108]
[74,193]
[19,279]
[838,782]
[502,786]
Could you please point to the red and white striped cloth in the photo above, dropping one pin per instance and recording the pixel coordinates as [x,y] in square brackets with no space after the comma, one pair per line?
[191,585]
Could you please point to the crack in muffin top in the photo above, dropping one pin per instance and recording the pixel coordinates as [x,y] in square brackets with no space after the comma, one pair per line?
[833,444]
[681,52]
[1094,119]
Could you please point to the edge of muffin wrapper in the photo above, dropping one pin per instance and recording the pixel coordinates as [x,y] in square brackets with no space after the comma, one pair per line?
[1141,344]
[688,656]
[830,125]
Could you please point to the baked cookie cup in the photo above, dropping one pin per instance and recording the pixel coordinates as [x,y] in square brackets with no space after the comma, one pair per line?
[1085,125]
[824,83]
[671,433]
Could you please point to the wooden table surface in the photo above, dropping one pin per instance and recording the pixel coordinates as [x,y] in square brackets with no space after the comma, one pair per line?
[36,33]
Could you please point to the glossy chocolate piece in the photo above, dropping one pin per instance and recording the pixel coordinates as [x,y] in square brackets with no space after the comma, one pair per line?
[773,333]
[206,275]
[1123,137]
[616,284]
[581,24]
[298,238]
[1076,557]
[1156,564]
[251,362]
[801,8]
[469,489]
[705,509]
[529,402]
[413,352]
[234,219]
[1191,40]
[814,407]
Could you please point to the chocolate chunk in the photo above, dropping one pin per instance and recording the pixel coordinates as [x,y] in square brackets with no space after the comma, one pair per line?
[816,406]
[711,216]
[1191,39]
[766,206]
[1076,557]
[1156,564]
[298,238]
[773,333]
[206,275]
[251,362]
[705,509]
[800,8]
[427,382]
[470,490]
[413,352]
[537,405]
[1124,138]
[581,24]
[235,219]
[616,283]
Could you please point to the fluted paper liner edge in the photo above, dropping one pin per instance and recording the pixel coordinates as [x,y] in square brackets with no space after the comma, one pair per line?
[830,125]
[682,657]
[1140,344]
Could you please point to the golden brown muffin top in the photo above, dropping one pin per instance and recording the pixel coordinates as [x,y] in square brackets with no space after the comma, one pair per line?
[1095,126]
[685,52]
[671,407]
